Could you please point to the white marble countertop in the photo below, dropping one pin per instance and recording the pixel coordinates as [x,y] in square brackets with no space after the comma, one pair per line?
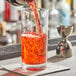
[71,62]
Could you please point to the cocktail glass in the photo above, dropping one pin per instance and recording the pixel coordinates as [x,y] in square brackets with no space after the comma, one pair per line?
[33,42]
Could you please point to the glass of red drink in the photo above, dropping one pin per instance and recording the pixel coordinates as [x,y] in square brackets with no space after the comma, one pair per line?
[34,32]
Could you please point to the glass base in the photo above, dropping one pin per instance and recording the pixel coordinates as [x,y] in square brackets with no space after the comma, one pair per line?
[34,67]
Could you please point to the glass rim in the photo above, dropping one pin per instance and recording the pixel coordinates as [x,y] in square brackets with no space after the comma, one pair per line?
[24,9]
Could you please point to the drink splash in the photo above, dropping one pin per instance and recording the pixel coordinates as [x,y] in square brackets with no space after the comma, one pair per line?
[32,5]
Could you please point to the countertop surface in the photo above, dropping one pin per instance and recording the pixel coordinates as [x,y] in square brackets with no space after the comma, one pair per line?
[70,62]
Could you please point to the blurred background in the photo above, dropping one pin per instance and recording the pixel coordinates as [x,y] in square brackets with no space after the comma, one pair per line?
[10,19]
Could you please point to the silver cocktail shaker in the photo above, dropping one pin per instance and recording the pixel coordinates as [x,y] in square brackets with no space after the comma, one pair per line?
[64,47]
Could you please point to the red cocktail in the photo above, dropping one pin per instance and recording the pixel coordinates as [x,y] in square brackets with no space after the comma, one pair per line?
[33,49]
[34,37]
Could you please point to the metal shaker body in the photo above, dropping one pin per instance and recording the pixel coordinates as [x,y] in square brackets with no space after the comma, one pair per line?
[64,47]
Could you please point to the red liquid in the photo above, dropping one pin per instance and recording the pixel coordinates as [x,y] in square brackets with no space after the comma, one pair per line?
[32,5]
[33,48]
